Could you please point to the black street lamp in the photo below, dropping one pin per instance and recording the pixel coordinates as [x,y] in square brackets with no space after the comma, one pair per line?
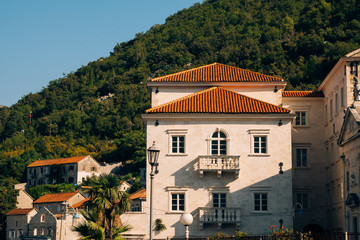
[153,157]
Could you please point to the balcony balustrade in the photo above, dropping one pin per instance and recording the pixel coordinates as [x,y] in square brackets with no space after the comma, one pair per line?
[219,164]
[219,216]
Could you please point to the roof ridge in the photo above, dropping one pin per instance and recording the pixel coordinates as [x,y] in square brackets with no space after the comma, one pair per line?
[244,76]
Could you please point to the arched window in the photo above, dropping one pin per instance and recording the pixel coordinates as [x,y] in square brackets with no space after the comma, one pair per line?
[218,143]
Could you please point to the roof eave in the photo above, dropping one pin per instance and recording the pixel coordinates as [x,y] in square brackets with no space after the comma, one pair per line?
[333,70]
[211,84]
[155,116]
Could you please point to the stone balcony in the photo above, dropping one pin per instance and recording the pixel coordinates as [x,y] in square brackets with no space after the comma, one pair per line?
[219,216]
[219,164]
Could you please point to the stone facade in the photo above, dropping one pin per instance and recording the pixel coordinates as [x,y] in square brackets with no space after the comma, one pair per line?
[322,175]
[17,223]
[66,170]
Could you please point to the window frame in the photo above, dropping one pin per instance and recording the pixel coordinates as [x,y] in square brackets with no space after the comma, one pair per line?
[178,143]
[176,133]
[218,143]
[301,119]
[179,196]
[174,190]
[261,194]
[254,133]
[301,165]
[302,194]
[220,198]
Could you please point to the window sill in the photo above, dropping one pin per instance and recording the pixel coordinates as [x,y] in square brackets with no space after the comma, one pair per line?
[179,212]
[302,168]
[260,213]
[175,154]
[301,126]
[258,155]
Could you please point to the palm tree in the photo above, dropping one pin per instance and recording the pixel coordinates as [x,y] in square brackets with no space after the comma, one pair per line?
[108,201]
[91,230]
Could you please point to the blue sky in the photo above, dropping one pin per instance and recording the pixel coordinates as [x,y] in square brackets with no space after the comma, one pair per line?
[41,39]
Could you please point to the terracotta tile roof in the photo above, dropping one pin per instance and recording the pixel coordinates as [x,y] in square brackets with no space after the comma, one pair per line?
[56,161]
[76,205]
[138,194]
[217,72]
[302,94]
[217,100]
[55,197]
[19,211]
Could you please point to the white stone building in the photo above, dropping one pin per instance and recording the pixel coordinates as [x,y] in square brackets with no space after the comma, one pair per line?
[225,155]
[209,122]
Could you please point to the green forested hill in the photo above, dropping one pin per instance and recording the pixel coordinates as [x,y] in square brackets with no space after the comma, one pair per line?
[298,40]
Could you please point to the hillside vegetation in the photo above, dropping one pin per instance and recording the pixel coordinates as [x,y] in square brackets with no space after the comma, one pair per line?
[298,40]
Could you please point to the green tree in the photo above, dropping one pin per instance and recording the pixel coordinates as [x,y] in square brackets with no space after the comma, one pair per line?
[92,230]
[108,201]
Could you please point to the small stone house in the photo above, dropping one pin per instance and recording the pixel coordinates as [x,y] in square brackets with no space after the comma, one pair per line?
[17,222]
[138,200]
[53,201]
[24,200]
[64,170]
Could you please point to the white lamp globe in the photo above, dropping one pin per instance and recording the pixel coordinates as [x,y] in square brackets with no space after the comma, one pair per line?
[186,219]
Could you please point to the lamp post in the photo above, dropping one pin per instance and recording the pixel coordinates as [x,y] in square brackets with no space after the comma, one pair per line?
[153,157]
[186,219]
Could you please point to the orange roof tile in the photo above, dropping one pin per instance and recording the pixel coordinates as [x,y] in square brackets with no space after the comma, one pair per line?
[217,72]
[302,94]
[55,197]
[217,100]
[76,205]
[56,161]
[138,194]
[19,211]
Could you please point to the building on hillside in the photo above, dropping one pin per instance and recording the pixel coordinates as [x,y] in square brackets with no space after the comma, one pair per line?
[66,170]
[53,215]
[54,201]
[138,200]
[225,152]
[24,200]
[17,223]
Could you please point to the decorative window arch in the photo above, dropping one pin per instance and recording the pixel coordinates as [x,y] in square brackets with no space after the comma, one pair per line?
[219,142]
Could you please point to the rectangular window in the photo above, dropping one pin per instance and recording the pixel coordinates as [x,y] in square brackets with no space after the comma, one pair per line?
[219,200]
[178,202]
[260,144]
[260,202]
[71,168]
[331,109]
[300,118]
[302,200]
[347,181]
[42,231]
[326,113]
[21,232]
[342,97]
[12,234]
[301,157]
[336,103]
[178,144]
